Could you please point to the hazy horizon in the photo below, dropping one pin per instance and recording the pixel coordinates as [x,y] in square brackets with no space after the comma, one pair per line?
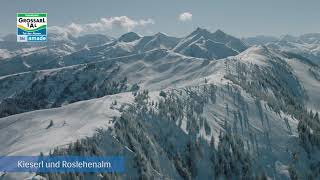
[247,18]
[179,36]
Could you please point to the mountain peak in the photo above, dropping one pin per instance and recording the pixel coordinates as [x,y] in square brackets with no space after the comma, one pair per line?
[160,34]
[200,31]
[257,54]
[129,37]
[259,50]
[219,33]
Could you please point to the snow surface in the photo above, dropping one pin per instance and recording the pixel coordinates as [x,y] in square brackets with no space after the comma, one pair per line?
[28,133]
[256,55]
[309,82]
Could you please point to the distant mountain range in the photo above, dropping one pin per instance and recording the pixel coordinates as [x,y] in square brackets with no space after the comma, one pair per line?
[307,45]
[64,50]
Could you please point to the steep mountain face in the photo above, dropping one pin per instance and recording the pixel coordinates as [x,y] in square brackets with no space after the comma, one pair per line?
[161,41]
[129,37]
[251,115]
[208,49]
[138,43]
[204,44]
[146,43]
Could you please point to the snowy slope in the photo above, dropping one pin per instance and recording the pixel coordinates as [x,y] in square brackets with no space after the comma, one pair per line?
[29,134]
[309,78]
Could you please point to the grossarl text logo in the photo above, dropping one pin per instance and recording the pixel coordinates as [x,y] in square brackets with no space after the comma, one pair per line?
[31,27]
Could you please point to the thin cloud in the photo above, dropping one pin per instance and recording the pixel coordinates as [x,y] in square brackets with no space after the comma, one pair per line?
[123,23]
[186,16]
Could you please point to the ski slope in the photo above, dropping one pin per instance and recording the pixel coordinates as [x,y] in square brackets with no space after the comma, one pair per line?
[29,134]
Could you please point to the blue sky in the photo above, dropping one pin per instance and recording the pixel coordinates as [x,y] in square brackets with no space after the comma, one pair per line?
[237,17]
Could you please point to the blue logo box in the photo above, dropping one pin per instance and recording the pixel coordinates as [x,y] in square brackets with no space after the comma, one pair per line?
[61,164]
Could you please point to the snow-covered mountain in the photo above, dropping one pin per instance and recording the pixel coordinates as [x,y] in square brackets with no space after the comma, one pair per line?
[204,44]
[21,57]
[224,112]
[126,45]
[133,43]
[306,45]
